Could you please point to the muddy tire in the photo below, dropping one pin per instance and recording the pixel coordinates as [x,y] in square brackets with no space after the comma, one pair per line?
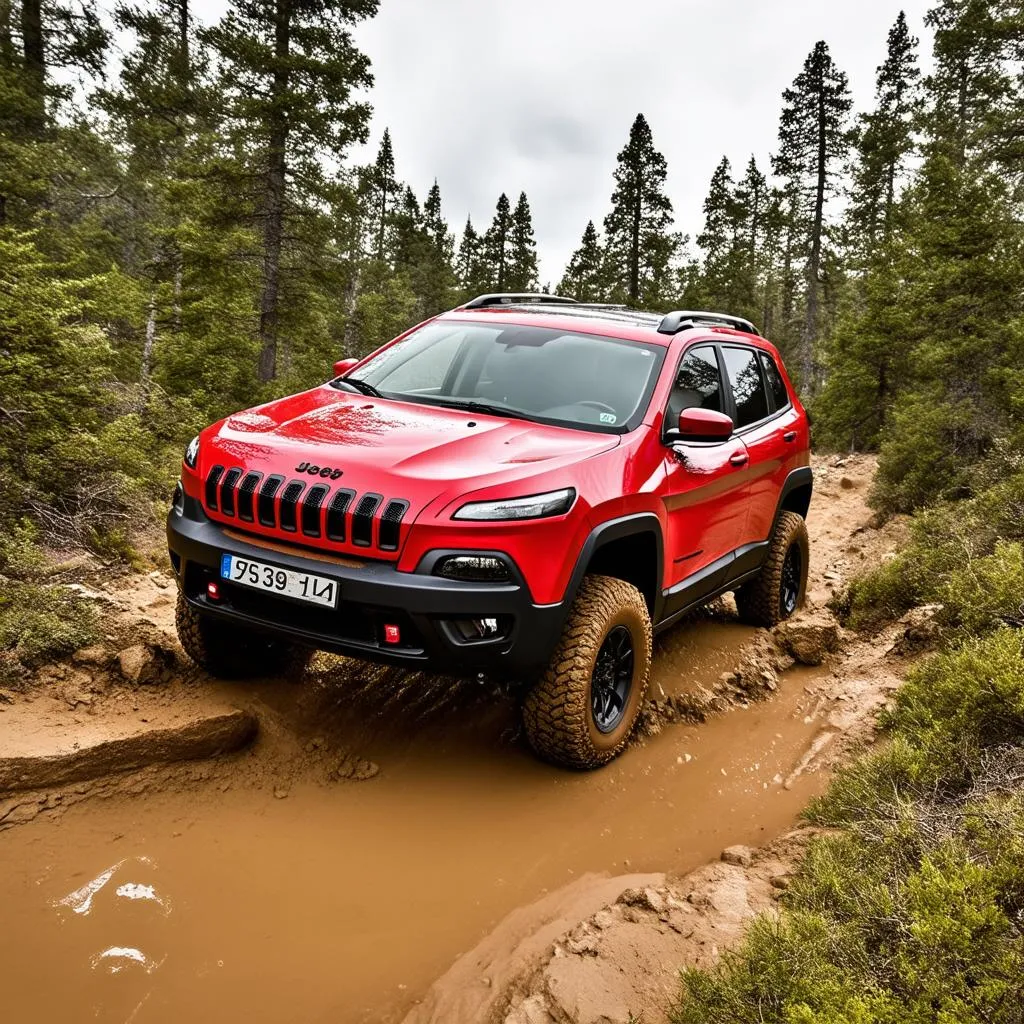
[583,710]
[232,652]
[781,586]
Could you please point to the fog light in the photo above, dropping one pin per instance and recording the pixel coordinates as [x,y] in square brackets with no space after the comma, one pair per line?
[392,635]
[213,591]
[489,628]
[479,568]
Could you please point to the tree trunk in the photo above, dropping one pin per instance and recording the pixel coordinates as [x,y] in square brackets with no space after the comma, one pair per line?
[273,224]
[179,270]
[34,51]
[6,35]
[814,263]
[183,48]
[634,249]
[147,345]
[351,297]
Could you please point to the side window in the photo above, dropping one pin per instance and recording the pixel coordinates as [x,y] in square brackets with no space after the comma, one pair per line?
[747,386]
[776,385]
[698,384]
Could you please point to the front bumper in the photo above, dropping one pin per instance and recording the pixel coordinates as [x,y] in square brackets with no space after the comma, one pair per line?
[372,594]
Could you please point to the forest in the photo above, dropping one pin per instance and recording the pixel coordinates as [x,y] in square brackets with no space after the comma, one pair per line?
[191,236]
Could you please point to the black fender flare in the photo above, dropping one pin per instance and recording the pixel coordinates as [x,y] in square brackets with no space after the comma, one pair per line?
[615,529]
[802,476]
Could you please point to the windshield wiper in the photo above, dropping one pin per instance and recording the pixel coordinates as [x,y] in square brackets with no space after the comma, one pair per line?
[483,407]
[361,386]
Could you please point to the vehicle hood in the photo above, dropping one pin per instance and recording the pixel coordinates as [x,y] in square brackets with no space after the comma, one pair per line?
[399,450]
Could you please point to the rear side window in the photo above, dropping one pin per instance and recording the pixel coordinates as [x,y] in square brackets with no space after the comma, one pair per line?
[747,386]
[776,385]
[698,384]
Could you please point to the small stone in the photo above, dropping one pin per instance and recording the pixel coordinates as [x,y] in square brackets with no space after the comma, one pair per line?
[138,664]
[280,794]
[94,655]
[782,881]
[846,483]
[741,856]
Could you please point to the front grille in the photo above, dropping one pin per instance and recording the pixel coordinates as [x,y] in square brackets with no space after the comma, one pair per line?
[362,520]
[227,491]
[341,516]
[391,523]
[311,509]
[267,507]
[289,500]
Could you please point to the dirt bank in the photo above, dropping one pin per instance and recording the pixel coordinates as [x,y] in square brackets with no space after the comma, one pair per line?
[287,891]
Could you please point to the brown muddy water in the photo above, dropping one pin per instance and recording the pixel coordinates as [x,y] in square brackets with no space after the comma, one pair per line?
[343,902]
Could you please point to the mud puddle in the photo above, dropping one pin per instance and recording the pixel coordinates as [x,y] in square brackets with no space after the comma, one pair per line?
[342,903]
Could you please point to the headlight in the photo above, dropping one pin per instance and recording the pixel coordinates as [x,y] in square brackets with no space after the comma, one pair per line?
[534,506]
[192,453]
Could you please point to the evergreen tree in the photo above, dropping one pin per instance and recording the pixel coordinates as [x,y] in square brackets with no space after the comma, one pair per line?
[813,143]
[497,243]
[468,262]
[384,188]
[522,264]
[584,278]
[639,245]
[439,275]
[885,141]
[288,74]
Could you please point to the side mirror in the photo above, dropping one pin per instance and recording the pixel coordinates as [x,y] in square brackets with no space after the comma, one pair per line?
[702,425]
[342,366]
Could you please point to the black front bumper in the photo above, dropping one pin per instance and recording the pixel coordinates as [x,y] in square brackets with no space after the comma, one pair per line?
[372,594]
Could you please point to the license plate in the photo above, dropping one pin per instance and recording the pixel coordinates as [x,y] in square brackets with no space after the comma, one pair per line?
[302,586]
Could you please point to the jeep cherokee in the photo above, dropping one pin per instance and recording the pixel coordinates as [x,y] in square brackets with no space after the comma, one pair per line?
[526,488]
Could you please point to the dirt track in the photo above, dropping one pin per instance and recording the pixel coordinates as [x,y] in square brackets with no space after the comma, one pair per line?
[383,824]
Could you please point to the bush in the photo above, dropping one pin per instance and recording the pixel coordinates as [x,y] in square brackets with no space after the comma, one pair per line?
[966,556]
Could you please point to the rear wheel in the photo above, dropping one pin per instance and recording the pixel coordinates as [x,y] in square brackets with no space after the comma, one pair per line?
[583,710]
[780,587]
[233,652]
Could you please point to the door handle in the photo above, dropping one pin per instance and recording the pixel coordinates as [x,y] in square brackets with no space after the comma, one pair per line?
[789,435]
[739,459]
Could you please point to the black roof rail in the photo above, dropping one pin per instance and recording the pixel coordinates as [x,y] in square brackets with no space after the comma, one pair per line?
[682,319]
[516,299]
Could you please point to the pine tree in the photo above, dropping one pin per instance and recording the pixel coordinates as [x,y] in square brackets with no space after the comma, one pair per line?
[496,249]
[885,142]
[468,260]
[288,72]
[639,244]
[522,264]
[584,277]
[439,274]
[720,240]
[384,186]
[813,143]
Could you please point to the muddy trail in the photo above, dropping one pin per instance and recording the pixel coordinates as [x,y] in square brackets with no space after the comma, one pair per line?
[363,858]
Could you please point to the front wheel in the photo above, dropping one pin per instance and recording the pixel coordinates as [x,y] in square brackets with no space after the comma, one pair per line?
[233,652]
[780,587]
[583,710]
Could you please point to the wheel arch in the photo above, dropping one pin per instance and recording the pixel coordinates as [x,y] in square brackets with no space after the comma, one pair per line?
[630,548]
[796,492]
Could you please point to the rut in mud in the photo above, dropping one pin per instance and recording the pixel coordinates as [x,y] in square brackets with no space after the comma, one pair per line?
[383,824]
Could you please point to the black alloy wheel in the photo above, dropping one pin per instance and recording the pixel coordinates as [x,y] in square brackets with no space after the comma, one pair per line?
[612,679]
[789,593]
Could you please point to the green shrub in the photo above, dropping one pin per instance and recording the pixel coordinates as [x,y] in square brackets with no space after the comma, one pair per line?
[980,592]
[39,623]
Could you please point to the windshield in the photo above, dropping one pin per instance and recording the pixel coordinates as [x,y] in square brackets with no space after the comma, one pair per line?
[551,376]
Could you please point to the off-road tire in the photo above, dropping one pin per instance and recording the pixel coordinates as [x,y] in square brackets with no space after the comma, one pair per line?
[557,711]
[233,652]
[759,602]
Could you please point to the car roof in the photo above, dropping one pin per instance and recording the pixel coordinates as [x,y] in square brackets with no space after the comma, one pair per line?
[604,321]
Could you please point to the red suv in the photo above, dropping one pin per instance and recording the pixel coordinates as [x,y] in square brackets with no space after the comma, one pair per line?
[526,487]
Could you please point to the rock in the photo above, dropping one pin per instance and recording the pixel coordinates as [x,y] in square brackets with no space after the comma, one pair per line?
[921,630]
[643,899]
[280,794]
[782,881]
[14,813]
[846,483]
[809,639]
[741,856]
[140,664]
[95,655]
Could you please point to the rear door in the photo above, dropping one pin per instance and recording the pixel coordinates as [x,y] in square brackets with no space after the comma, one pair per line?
[765,421]
[702,482]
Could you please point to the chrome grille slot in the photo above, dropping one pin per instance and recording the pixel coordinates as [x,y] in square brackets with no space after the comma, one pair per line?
[336,514]
[245,494]
[289,501]
[362,519]
[265,504]
[211,486]
[390,524]
[227,491]
[311,509]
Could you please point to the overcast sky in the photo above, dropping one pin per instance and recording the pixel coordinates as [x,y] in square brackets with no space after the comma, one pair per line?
[538,95]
